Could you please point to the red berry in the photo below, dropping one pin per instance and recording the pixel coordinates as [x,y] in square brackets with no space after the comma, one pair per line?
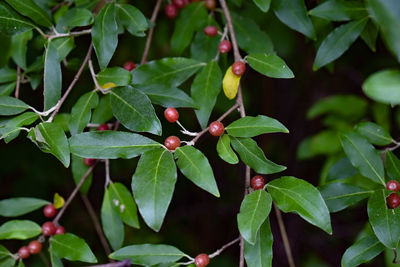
[225,46]
[171,11]
[59,230]
[103,127]
[49,211]
[179,3]
[129,65]
[238,68]
[35,247]
[187,2]
[393,200]
[211,30]
[210,4]
[171,114]
[48,229]
[172,142]
[216,128]
[89,162]
[23,252]
[201,260]
[257,182]
[393,185]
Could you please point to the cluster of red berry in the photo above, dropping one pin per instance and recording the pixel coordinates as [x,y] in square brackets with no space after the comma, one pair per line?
[91,162]
[171,10]
[216,128]
[393,200]
[48,229]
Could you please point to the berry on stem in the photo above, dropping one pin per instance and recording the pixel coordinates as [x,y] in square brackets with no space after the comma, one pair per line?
[202,260]
[103,127]
[210,4]
[224,46]
[35,247]
[171,11]
[171,115]
[257,182]
[23,252]
[129,65]
[172,142]
[238,68]
[211,30]
[393,200]
[59,230]
[216,128]
[48,229]
[179,3]
[89,162]
[49,211]
[393,185]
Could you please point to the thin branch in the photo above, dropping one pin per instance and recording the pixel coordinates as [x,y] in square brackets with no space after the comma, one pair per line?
[285,239]
[17,86]
[150,35]
[219,251]
[125,263]
[94,78]
[76,78]
[107,169]
[68,34]
[96,224]
[228,18]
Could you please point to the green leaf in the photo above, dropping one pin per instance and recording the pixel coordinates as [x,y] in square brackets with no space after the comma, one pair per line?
[124,204]
[293,13]
[103,112]
[385,14]
[254,210]
[7,89]
[113,226]
[252,126]
[384,221]
[134,110]
[270,65]
[153,185]
[31,10]
[250,37]
[363,156]
[263,4]
[296,195]
[7,262]
[392,165]
[115,75]
[362,251]
[225,151]
[370,34]
[13,207]
[204,91]
[170,72]
[11,106]
[252,155]
[337,42]
[148,254]
[19,47]
[339,10]
[64,46]
[52,76]
[339,196]
[326,142]
[167,96]
[70,247]
[203,47]
[7,75]
[195,166]
[110,145]
[50,138]
[11,22]
[82,111]
[79,169]
[260,254]
[383,86]
[54,259]
[105,34]
[19,229]
[374,133]
[132,19]
[190,19]
[10,129]
[75,17]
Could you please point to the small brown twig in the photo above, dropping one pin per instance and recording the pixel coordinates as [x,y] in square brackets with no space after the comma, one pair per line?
[219,251]
[17,86]
[285,239]
[68,34]
[150,34]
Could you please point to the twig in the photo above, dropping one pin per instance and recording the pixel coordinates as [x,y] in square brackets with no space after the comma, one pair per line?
[96,224]
[125,263]
[76,78]
[68,34]
[285,239]
[150,35]
[94,78]
[107,169]
[184,131]
[395,256]
[17,86]
[228,18]
[219,251]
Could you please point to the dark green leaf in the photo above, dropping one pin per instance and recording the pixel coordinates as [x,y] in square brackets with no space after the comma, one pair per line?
[10,129]
[252,155]
[52,76]
[11,106]
[383,86]
[374,133]
[19,229]
[132,19]
[296,195]
[31,10]
[13,207]
[203,47]
[116,75]
[148,254]
[153,185]
[7,262]
[7,75]
[82,111]
[11,22]
[71,247]
[339,10]
[263,4]
[73,18]
[134,110]
[205,89]
[7,89]
[103,112]
[362,251]
[270,65]
[113,226]
[363,156]
[370,34]
[260,254]
[110,145]
[124,204]
[195,166]
[341,170]
[254,210]
[19,47]
[392,165]
[225,151]
[326,142]
[79,169]
[105,34]
[252,126]
[337,42]
[167,96]
[54,259]
[64,46]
